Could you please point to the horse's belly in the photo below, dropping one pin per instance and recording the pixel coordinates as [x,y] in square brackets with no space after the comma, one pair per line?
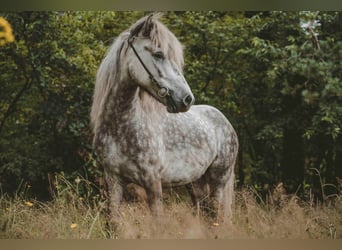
[182,168]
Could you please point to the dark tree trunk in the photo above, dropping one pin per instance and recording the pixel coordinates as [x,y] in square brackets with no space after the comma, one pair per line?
[293,159]
[241,173]
[338,164]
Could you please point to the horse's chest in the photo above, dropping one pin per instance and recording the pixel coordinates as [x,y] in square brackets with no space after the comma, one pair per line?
[130,155]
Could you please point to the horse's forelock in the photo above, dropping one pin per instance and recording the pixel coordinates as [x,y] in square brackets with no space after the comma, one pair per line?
[167,41]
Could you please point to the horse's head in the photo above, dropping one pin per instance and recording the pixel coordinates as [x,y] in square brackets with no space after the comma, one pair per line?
[154,61]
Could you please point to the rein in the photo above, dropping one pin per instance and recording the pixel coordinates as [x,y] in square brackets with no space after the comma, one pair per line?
[162,91]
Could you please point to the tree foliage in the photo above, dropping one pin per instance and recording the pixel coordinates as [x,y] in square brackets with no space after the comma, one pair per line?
[275,75]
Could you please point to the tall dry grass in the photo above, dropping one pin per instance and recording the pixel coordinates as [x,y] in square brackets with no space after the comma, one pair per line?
[72,215]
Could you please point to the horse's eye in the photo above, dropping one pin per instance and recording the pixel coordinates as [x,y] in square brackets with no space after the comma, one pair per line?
[158,55]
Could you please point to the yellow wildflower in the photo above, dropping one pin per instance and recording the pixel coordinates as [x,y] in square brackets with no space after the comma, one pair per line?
[77,180]
[6,35]
[73,225]
[29,204]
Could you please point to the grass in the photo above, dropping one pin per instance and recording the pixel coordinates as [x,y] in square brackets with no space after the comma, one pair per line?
[74,216]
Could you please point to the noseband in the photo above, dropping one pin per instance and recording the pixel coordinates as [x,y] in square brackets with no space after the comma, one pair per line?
[162,91]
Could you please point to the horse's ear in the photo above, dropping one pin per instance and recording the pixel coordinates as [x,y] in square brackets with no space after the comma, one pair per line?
[135,31]
[144,27]
[148,26]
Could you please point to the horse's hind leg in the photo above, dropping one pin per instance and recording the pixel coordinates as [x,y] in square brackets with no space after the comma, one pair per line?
[215,200]
[221,179]
[221,196]
[199,193]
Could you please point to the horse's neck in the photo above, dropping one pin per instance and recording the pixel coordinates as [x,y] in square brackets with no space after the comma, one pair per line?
[129,104]
[120,101]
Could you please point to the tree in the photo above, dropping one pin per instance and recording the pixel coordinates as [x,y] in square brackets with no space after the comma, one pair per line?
[47,82]
[275,75]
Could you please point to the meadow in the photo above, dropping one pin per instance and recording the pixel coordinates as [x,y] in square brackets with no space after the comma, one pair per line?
[77,212]
[275,74]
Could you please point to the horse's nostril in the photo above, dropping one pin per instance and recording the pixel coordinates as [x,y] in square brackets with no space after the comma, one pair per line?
[187,100]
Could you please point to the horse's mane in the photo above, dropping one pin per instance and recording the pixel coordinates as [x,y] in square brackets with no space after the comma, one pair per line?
[108,74]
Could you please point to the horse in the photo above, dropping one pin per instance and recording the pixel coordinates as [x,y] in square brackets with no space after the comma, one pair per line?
[147,130]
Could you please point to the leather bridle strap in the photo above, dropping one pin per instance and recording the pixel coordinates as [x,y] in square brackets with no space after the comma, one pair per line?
[162,91]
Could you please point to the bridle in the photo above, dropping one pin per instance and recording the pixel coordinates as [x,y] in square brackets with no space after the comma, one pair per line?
[162,91]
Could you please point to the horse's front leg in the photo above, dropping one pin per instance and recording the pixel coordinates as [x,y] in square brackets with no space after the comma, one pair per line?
[155,196]
[115,192]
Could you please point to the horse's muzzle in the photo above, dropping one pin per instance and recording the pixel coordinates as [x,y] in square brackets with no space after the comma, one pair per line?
[184,105]
[188,100]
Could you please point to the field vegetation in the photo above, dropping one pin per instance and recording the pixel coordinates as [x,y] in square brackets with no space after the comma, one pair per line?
[72,215]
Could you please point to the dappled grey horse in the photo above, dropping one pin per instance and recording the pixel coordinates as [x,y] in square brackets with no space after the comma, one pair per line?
[146,130]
